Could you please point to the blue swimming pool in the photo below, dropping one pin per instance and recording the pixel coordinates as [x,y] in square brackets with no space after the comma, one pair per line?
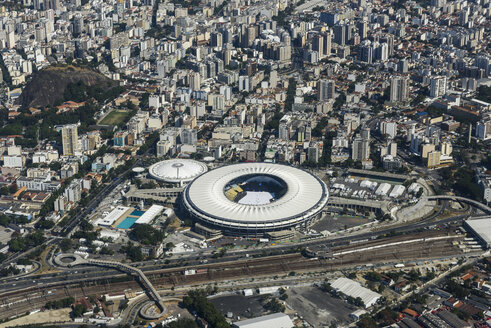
[127,223]
[137,213]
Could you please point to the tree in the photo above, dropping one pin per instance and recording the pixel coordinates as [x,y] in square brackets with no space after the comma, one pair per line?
[146,234]
[196,301]
[78,310]
[182,323]
[366,321]
[274,306]
[66,244]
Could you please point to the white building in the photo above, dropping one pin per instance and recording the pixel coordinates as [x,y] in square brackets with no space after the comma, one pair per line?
[275,320]
[438,86]
[354,289]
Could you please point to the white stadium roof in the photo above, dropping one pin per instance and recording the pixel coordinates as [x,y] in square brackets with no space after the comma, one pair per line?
[177,170]
[304,198]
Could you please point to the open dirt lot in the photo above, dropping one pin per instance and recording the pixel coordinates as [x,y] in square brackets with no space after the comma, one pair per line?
[52,316]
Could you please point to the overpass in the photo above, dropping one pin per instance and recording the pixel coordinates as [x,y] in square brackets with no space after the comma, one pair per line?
[70,260]
[134,272]
[475,203]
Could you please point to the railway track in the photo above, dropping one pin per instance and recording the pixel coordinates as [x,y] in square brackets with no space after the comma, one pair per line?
[17,302]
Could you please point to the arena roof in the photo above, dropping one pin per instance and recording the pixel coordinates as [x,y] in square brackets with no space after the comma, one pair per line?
[305,196]
[177,170]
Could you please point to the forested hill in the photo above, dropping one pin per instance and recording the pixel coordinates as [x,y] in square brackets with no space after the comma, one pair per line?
[48,86]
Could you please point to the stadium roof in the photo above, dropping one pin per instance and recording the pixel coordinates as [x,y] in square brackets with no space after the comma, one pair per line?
[306,195]
[177,170]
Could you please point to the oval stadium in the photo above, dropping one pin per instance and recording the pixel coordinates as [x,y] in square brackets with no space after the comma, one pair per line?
[255,198]
[177,170]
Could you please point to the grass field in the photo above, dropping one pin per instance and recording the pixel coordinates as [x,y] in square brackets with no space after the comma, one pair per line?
[114,118]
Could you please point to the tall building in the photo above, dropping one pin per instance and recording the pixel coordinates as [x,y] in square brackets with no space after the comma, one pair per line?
[399,88]
[340,34]
[283,131]
[318,45]
[327,44]
[69,138]
[388,128]
[433,159]
[362,29]
[216,40]
[78,24]
[365,53]
[195,81]
[382,52]
[438,86]
[403,66]
[360,149]
[189,136]
[326,90]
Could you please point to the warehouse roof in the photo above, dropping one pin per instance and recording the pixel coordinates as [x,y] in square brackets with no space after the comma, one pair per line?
[276,320]
[150,214]
[354,289]
[482,228]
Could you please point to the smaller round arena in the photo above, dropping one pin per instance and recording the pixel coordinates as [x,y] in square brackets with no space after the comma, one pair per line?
[177,170]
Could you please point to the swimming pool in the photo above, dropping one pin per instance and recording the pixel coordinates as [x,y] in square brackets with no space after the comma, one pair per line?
[137,213]
[127,223]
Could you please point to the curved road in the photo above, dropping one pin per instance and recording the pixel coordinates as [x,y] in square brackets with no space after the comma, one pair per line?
[462,199]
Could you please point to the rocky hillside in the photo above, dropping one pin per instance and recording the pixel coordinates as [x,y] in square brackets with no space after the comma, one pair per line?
[47,87]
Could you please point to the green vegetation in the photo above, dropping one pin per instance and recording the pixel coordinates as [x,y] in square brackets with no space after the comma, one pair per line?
[484,93]
[66,244]
[159,32]
[182,323]
[5,73]
[146,234]
[150,142]
[340,101]
[466,185]
[317,131]
[79,92]
[435,111]
[6,220]
[134,253]
[60,304]
[196,301]
[22,244]
[274,306]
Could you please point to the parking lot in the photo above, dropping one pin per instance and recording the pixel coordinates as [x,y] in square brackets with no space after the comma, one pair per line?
[339,222]
[5,235]
[317,307]
[239,305]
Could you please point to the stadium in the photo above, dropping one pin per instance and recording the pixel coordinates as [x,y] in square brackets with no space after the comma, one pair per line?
[255,198]
[178,171]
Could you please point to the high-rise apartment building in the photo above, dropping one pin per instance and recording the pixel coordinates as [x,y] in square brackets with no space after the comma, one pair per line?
[399,88]
[69,138]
